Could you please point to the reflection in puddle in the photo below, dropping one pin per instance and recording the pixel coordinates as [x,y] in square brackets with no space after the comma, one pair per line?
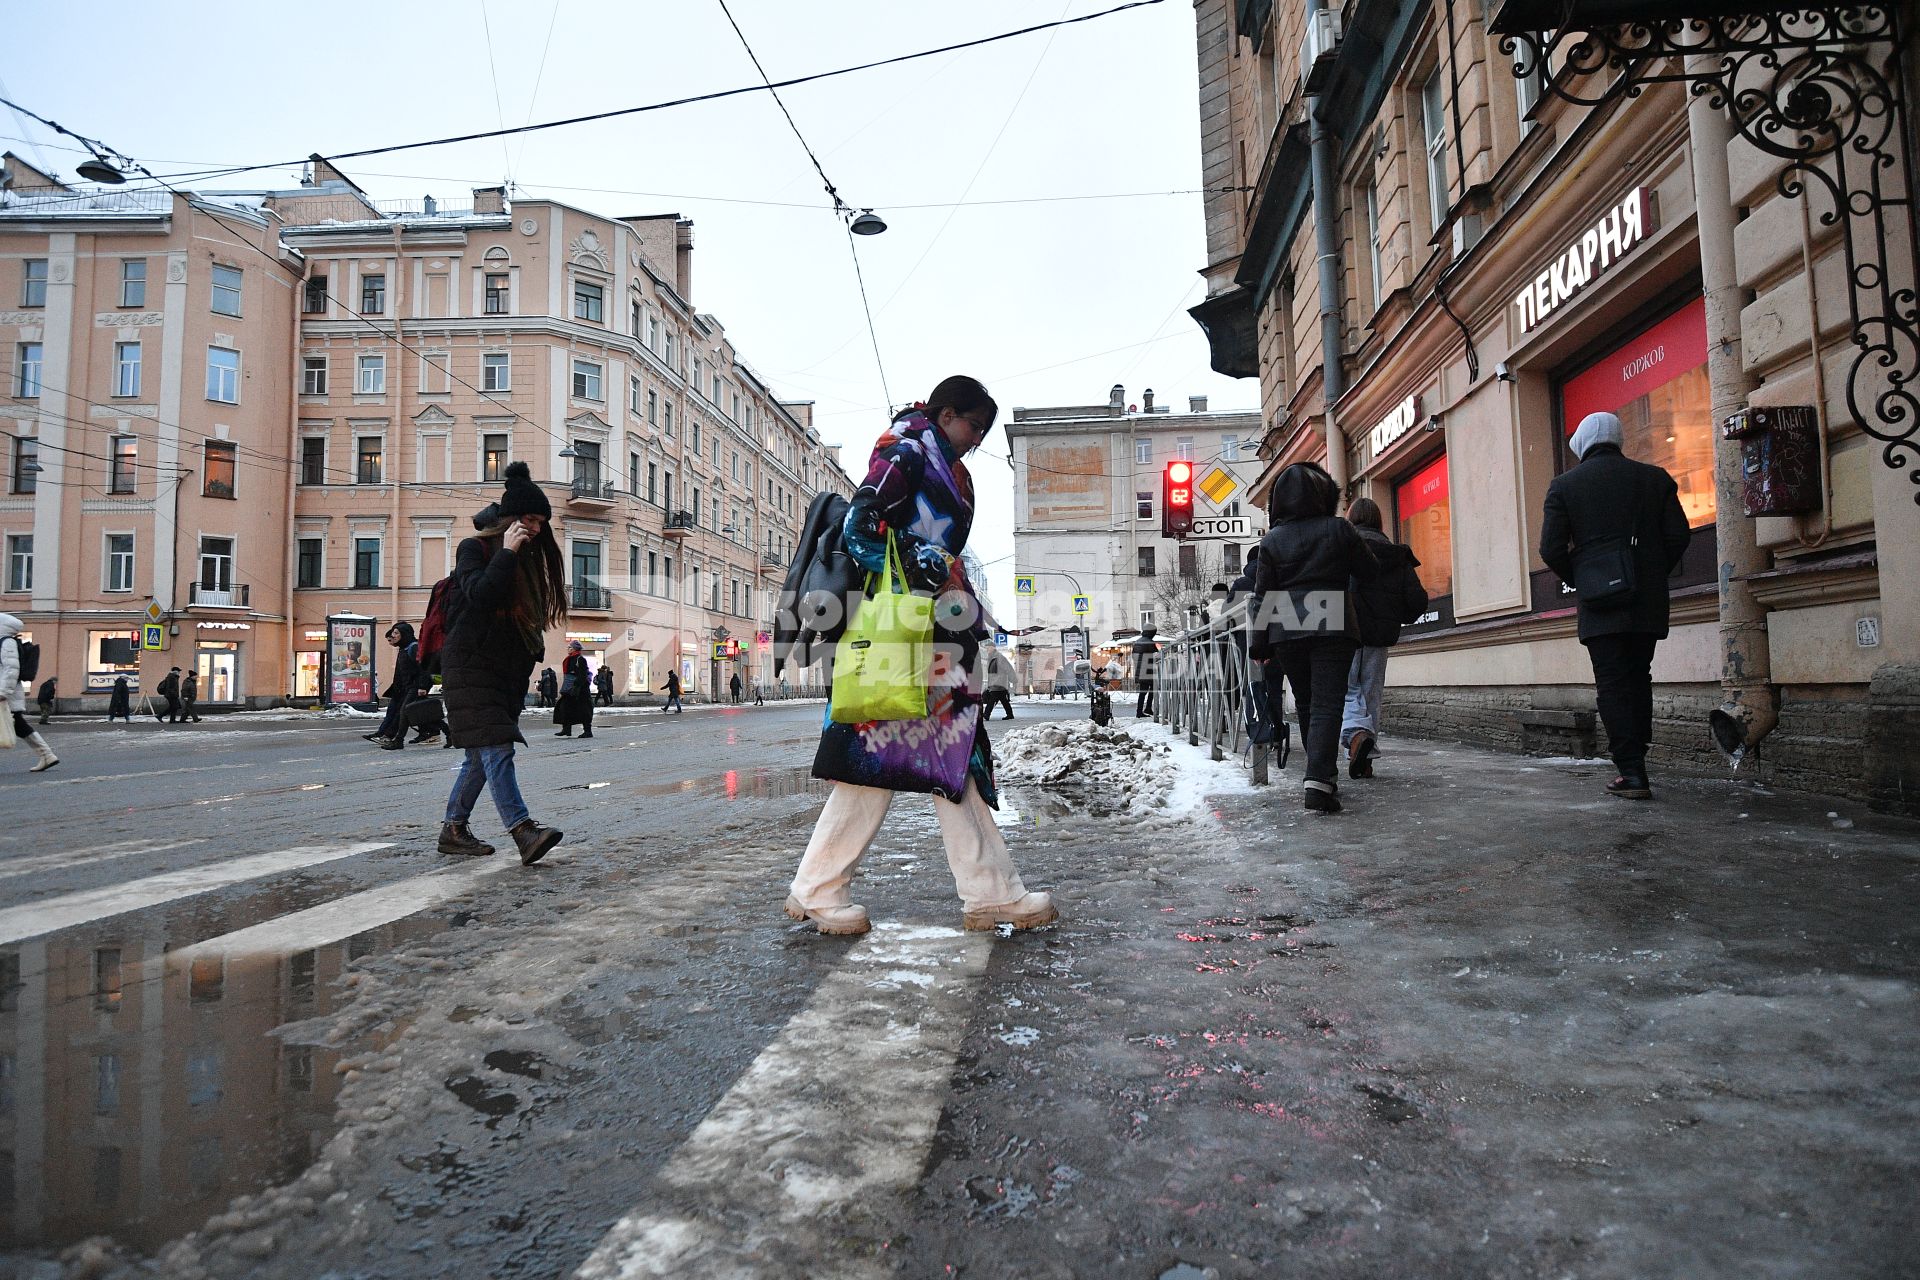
[742,784]
[142,1087]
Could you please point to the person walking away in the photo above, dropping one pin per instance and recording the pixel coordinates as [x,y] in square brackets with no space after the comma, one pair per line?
[403,688]
[170,690]
[919,495]
[509,588]
[603,681]
[14,690]
[575,705]
[1393,599]
[998,686]
[549,689]
[1621,521]
[1303,615]
[120,701]
[673,693]
[734,686]
[190,698]
[1146,669]
[759,696]
[45,698]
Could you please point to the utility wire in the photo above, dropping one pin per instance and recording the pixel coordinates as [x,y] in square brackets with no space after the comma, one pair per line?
[865,307]
[499,112]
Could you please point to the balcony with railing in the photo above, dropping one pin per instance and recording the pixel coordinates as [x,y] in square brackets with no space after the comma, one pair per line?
[591,598]
[771,563]
[592,491]
[679,524]
[200,596]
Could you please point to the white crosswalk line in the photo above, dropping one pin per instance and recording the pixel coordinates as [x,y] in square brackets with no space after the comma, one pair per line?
[53,914]
[344,917]
[836,1115]
[12,867]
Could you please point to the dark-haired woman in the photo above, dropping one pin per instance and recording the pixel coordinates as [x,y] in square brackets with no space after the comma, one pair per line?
[510,587]
[918,492]
[1304,616]
[575,704]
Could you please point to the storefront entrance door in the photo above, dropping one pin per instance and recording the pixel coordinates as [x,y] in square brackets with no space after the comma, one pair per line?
[219,674]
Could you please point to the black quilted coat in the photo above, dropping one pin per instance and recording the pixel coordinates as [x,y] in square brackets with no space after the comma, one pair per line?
[485,664]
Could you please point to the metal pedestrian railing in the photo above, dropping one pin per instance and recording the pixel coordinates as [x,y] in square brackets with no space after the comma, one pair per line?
[1204,678]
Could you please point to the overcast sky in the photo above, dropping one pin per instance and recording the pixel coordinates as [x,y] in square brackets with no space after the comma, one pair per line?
[1049,302]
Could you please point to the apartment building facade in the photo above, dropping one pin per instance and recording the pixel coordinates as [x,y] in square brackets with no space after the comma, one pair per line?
[420,352]
[1087,521]
[1438,266]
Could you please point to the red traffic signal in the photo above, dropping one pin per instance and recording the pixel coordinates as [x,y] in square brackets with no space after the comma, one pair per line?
[1176,500]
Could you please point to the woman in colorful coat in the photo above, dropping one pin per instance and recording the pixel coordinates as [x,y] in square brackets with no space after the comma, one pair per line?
[917,489]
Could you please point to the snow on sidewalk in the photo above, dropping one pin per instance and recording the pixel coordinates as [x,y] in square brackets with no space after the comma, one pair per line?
[1138,768]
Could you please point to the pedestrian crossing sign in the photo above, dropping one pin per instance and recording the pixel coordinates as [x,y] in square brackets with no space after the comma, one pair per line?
[1217,485]
[153,636]
[1023,586]
[1081,604]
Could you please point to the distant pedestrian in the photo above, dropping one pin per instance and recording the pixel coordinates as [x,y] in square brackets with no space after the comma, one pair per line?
[673,693]
[759,697]
[603,681]
[14,691]
[1381,607]
[918,496]
[509,588]
[996,685]
[169,689]
[549,690]
[407,683]
[1146,669]
[120,701]
[190,698]
[1614,529]
[45,698]
[575,706]
[1308,558]
[734,686]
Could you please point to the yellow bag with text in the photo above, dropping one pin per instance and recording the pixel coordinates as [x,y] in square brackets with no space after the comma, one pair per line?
[882,664]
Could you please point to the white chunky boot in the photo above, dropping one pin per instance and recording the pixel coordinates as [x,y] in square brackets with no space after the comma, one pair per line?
[45,752]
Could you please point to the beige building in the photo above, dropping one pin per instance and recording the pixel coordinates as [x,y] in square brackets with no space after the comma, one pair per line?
[415,353]
[1087,521]
[1436,268]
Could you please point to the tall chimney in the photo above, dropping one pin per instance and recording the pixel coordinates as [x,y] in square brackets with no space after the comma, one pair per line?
[1146,400]
[489,199]
[683,259]
[1196,404]
[1117,399]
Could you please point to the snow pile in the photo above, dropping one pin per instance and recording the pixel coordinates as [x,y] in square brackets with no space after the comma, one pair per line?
[1137,771]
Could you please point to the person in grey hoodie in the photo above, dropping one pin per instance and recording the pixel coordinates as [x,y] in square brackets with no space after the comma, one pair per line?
[16,694]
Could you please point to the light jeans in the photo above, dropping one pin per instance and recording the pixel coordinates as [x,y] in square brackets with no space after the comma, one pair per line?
[492,768]
[1365,679]
[983,870]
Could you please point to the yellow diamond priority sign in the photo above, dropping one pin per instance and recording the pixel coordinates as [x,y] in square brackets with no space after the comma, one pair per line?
[1217,484]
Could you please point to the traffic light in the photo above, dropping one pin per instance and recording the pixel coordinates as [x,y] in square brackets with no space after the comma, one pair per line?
[1176,500]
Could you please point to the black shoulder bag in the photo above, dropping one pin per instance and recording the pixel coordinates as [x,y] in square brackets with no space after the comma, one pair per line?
[1603,574]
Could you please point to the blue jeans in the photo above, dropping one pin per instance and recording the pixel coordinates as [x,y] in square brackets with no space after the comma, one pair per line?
[1365,679]
[492,768]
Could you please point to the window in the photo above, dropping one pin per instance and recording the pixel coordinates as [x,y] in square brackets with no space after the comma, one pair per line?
[634,321]
[223,375]
[1526,90]
[216,564]
[33,288]
[716,391]
[372,379]
[26,464]
[1229,448]
[586,573]
[653,572]
[1143,503]
[633,394]
[1371,202]
[696,438]
[106,979]
[653,407]
[1433,125]
[496,372]
[666,576]
[653,332]
[133,282]
[366,562]
[494,454]
[653,479]
[1188,557]
[498,293]
[373,295]
[226,291]
[310,562]
[696,504]
[698,367]
[1422,516]
[633,473]
[126,369]
[673,346]
[367,468]
[1146,617]
[217,473]
[588,301]
[1145,567]
[586,380]
[313,298]
[119,562]
[1143,453]
[121,471]
[20,562]
[586,463]
[1183,448]
[313,460]
[666,419]
[106,1080]
[27,385]
[313,375]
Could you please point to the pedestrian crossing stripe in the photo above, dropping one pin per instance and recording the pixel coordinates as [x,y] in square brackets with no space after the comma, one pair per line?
[1217,484]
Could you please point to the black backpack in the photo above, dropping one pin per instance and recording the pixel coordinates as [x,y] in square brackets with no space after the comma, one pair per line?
[29,659]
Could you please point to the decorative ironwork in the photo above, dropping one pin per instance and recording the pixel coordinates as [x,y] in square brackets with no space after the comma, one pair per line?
[1820,89]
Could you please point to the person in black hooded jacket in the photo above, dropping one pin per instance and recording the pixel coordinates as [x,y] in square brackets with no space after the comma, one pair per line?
[1304,614]
[1394,598]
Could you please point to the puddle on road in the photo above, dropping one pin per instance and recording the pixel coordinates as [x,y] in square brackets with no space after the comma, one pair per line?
[741,784]
[142,1087]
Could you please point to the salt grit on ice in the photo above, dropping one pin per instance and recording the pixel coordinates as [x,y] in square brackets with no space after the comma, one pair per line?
[1139,770]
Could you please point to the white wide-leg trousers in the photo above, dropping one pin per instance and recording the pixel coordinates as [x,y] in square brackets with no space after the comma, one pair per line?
[983,870]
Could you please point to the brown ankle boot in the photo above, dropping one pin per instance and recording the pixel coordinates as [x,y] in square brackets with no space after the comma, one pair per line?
[456,838]
[534,841]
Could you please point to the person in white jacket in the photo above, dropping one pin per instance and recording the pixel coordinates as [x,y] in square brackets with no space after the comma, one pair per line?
[16,693]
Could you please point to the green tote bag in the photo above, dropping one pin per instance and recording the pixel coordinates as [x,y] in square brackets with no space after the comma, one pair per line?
[882,663]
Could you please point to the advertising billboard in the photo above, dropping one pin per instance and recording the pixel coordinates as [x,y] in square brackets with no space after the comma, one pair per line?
[350,666]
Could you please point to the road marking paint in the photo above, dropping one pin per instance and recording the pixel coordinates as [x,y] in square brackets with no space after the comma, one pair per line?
[98,853]
[837,1114]
[53,914]
[344,917]
[113,779]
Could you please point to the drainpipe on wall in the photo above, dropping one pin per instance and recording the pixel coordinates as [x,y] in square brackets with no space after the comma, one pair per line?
[1326,236]
[391,542]
[1751,706]
[291,567]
